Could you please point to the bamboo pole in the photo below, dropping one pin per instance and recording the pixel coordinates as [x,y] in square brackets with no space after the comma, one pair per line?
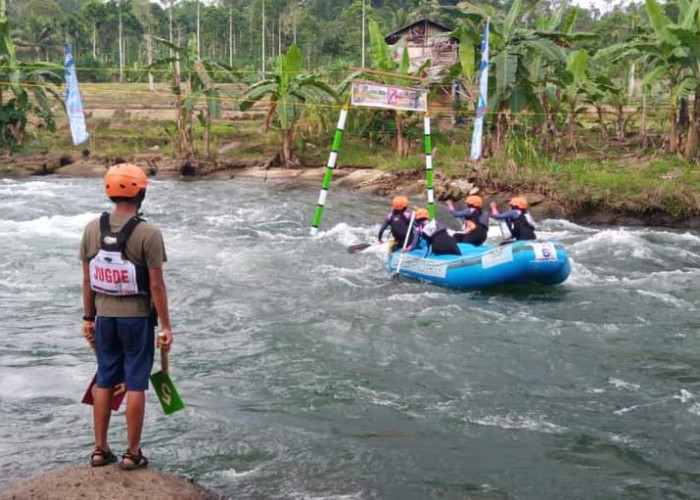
[328,177]
[428,142]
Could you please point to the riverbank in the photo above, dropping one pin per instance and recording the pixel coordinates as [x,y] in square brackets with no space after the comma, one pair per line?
[662,192]
[106,482]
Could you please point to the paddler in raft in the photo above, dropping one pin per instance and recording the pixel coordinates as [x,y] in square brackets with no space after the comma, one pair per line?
[519,221]
[476,221]
[435,235]
[398,220]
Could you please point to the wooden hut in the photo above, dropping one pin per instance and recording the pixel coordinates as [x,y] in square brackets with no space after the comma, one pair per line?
[428,40]
[425,40]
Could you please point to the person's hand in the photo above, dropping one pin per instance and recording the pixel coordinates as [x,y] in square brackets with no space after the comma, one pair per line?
[449,204]
[165,339]
[88,330]
[494,206]
[407,249]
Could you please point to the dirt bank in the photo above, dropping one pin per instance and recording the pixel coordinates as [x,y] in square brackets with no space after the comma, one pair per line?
[366,180]
[106,482]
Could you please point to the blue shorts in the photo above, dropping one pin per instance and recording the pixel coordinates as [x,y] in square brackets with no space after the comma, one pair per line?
[125,349]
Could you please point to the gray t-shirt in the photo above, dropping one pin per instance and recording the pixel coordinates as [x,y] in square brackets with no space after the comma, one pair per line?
[144,247]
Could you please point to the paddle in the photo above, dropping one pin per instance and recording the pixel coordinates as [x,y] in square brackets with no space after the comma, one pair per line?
[165,389]
[405,243]
[360,247]
[118,394]
[367,246]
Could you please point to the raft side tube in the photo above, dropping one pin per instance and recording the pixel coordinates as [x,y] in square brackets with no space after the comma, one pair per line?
[541,261]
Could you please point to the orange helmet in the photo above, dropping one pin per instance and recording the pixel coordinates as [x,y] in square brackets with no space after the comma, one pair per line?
[125,181]
[519,202]
[475,201]
[422,213]
[399,203]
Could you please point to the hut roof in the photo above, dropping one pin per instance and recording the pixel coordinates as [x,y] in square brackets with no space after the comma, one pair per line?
[394,37]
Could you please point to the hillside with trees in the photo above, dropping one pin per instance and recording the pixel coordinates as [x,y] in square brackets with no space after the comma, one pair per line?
[602,108]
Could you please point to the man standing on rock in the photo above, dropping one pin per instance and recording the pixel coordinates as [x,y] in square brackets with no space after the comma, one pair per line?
[123,289]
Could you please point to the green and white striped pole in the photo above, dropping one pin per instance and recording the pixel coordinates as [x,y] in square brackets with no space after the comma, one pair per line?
[429,165]
[328,177]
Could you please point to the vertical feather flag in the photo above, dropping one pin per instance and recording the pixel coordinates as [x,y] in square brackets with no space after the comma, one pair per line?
[74,103]
[482,105]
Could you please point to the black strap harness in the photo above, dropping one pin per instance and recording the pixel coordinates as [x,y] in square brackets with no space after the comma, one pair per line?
[116,242]
[120,238]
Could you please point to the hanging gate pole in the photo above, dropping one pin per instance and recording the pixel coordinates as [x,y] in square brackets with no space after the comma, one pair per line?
[429,165]
[328,177]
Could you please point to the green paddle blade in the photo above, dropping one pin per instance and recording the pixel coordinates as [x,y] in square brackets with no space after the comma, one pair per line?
[167,394]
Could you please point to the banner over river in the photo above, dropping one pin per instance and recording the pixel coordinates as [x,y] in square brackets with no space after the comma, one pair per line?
[309,373]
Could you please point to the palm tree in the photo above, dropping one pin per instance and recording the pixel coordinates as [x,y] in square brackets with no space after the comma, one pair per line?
[37,32]
[93,12]
[290,92]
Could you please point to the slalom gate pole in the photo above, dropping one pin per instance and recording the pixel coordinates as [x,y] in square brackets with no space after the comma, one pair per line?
[429,165]
[328,177]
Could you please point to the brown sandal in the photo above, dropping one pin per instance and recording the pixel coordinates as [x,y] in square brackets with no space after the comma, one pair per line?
[138,461]
[100,457]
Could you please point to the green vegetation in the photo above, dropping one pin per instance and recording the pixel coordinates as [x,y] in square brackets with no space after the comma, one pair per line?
[292,93]
[591,109]
[21,81]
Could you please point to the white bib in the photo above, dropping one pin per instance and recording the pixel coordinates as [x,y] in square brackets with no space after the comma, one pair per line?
[110,274]
[430,228]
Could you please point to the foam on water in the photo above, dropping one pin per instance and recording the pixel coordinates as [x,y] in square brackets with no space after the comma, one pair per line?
[518,422]
[61,226]
[288,348]
[348,235]
[620,243]
[622,384]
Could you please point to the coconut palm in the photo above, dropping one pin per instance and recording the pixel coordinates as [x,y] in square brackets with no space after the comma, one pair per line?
[35,33]
[290,91]
[93,13]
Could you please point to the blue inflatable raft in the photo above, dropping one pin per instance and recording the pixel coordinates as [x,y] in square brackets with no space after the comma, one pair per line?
[545,262]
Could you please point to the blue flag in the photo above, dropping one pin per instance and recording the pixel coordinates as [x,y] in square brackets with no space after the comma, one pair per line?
[482,105]
[74,103]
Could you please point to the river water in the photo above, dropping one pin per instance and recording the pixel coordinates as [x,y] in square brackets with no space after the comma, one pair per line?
[309,373]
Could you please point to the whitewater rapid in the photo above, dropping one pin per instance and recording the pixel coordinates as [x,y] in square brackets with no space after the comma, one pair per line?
[309,373]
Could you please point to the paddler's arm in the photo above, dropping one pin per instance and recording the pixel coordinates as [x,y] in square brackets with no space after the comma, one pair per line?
[159,295]
[509,215]
[88,306]
[466,213]
[415,240]
[383,228]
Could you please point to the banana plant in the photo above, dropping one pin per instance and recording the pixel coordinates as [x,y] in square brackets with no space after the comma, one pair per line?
[579,81]
[23,83]
[521,54]
[672,54]
[290,92]
[381,60]
[193,84]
